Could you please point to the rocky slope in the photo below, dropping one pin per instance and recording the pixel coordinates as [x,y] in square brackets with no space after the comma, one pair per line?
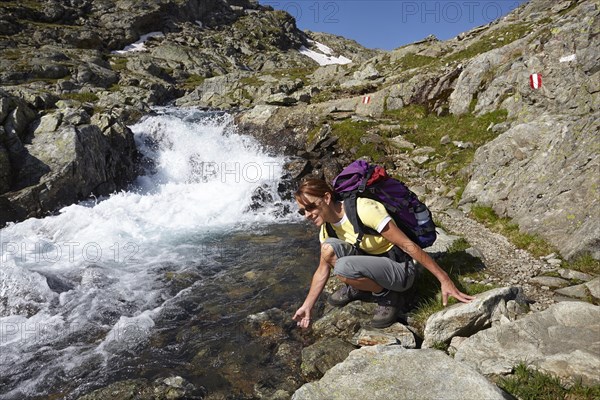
[68,92]
[67,96]
[60,58]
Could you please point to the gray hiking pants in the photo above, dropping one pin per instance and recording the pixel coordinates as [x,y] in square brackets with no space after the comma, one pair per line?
[392,275]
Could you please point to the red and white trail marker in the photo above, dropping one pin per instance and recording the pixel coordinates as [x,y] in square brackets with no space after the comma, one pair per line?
[535,81]
[366,99]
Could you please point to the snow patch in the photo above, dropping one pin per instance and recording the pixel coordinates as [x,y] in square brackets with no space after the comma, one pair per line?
[139,45]
[324,56]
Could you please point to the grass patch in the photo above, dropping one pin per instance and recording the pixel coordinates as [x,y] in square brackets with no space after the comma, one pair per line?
[490,41]
[12,54]
[528,384]
[251,81]
[118,63]
[31,4]
[193,81]
[585,263]
[534,244]
[294,73]
[412,60]
[350,133]
[326,95]
[425,129]
[84,97]
[458,264]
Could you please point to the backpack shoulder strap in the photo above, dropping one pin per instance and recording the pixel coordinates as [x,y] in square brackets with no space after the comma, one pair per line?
[330,231]
[352,213]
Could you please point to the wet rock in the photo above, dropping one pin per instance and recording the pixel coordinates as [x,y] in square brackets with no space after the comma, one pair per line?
[172,388]
[319,357]
[345,321]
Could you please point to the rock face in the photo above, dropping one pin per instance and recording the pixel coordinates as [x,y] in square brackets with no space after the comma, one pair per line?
[391,372]
[59,158]
[562,340]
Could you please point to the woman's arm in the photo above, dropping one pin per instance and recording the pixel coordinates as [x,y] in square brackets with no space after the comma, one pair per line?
[319,280]
[392,233]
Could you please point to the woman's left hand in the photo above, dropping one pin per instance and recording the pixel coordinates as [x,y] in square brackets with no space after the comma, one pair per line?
[449,289]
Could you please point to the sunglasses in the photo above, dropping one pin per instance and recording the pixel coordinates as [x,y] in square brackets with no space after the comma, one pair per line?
[310,207]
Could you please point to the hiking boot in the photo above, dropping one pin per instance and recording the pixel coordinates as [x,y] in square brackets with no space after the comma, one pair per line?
[386,312]
[347,294]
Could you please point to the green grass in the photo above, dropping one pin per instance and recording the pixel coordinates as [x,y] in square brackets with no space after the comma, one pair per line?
[118,63]
[31,4]
[192,82]
[251,81]
[425,129]
[490,41]
[529,384]
[585,263]
[534,244]
[458,264]
[350,132]
[84,97]
[294,73]
[412,60]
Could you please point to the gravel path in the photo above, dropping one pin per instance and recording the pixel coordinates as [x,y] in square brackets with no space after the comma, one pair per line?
[505,264]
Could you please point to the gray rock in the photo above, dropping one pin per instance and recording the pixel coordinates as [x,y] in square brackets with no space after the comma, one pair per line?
[468,319]
[475,252]
[562,340]
[594,288]
[392,372]
[443,242]
[580,292]
[421,159]
[572,274]
[401,143]
[549,281]
[395,334]
[367,73]
[512,174]
[586,291]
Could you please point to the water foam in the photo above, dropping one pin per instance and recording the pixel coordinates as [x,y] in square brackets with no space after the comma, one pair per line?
[95,268]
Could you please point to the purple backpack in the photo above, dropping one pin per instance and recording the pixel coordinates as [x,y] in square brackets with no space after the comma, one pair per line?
[360,179]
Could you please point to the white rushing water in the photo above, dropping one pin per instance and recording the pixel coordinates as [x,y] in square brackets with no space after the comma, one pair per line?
[78,287]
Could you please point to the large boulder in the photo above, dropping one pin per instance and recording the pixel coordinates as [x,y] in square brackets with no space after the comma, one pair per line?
[539,174]
[66,159]
[468,319]
[392,372]
[563,340]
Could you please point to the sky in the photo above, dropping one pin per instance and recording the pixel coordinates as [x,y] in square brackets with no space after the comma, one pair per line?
[389,24]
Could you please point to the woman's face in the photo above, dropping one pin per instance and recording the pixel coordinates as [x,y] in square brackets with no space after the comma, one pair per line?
[313,210]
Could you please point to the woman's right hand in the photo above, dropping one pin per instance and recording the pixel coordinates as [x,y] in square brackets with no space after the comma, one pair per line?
[302,317]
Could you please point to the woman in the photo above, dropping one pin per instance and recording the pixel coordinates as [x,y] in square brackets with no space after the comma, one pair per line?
[366,276]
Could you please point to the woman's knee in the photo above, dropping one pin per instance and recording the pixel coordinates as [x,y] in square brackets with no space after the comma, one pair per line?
[328,254]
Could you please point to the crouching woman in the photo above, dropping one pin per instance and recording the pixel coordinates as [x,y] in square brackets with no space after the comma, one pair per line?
[381,270]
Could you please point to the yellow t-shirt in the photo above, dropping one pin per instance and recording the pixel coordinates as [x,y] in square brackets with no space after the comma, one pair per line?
[373,215]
